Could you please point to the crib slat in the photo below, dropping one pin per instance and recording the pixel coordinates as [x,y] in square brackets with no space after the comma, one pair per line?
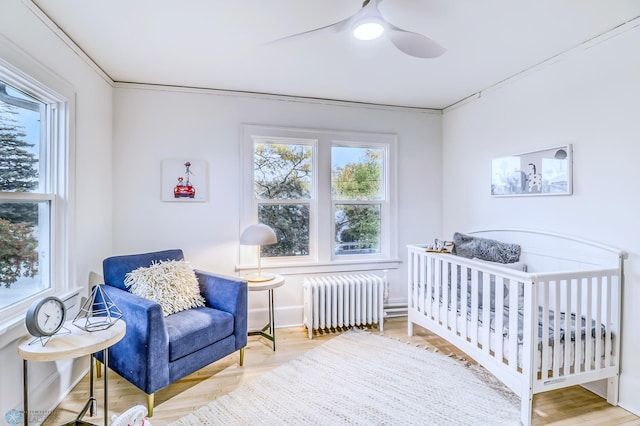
[486,312]
[428,288]
[514,290]
[531,298]
[422,283]
[454,297]
[446,288]
[474,307]
[579,343]
[557,343]
[414,274]
[608,304]
[424,278]
[588,352]
[499,318]
[597,336]
[569,330]
[544,288]
[438,290]
[464,308]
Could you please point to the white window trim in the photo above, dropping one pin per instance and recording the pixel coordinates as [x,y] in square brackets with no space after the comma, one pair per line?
[36,80]
[321,256]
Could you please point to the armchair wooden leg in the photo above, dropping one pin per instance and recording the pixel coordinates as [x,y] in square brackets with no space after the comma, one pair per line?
[150,402]
[241,357]
[98,369]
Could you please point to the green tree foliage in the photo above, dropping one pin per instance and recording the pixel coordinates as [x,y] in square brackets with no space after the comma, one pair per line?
[358,223]
[17,167]
[18,249]
[18,252]
[291,224]
[283,172]
[358,181]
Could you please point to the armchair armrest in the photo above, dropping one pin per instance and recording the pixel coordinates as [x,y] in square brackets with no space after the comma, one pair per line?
[227,294]
[140,357]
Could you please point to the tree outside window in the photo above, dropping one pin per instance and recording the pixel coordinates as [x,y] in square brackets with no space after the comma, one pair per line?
[357,188]
[283,182]
[21,217]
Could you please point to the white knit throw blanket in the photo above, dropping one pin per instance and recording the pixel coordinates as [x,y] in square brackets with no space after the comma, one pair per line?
[359,378]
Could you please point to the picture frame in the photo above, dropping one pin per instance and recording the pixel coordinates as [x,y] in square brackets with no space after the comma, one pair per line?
[184,180]
[544,172]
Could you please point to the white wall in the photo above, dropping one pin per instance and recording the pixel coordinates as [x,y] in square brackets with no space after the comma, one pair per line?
[152,124]
[23,38]
[589,98]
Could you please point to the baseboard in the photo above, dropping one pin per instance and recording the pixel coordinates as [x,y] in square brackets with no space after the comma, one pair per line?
[629,391]
[289,316]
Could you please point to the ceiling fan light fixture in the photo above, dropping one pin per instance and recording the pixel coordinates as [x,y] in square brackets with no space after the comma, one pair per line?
[369,29]
[369,24]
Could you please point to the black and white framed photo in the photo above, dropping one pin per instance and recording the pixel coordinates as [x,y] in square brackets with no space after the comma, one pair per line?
[544,172]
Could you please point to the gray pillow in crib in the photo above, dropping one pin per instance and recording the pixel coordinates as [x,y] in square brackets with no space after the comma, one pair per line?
[485,249]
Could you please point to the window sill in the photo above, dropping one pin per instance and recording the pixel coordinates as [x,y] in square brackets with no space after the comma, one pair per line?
[13,329]
[319,267]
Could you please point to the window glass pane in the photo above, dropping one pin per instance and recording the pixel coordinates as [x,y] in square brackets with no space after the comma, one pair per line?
[19,141]
[282,171]
[356,173]
[24,243]
[291,224]
[357,229]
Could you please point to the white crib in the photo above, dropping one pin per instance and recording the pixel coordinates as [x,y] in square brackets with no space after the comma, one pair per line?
[581,280]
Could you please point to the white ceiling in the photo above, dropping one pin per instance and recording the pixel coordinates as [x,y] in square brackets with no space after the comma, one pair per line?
[222,44]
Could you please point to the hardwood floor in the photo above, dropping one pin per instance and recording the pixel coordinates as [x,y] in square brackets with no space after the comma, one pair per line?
[569,406]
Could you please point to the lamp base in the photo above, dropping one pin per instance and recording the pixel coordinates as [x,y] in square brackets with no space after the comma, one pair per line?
[258,277]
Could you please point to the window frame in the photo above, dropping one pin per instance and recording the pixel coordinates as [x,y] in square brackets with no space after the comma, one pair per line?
[312,201]
[322,253]
[384,202]
[56,164]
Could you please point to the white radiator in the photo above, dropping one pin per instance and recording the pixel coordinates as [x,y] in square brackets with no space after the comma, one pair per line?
[343,301]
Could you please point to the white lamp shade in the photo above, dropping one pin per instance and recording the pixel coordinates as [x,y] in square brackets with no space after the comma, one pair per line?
[258,235]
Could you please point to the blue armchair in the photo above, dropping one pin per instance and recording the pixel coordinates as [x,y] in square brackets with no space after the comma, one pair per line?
[156,350]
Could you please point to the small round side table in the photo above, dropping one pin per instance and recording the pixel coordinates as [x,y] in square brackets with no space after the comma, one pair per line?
[74,344]
[270,285]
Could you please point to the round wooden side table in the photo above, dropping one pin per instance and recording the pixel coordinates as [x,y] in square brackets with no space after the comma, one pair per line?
[269,330]
[75,344]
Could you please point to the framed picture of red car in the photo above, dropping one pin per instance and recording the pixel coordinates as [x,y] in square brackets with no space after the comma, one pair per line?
[184,180]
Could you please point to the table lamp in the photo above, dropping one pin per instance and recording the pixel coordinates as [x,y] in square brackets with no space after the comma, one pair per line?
[258,235]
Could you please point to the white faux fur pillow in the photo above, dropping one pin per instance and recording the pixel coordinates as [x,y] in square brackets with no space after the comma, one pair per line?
[171,283]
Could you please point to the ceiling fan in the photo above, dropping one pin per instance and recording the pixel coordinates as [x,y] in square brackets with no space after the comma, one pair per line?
[368,24]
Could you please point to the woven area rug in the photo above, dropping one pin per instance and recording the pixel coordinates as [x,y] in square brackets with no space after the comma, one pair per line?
[359,378]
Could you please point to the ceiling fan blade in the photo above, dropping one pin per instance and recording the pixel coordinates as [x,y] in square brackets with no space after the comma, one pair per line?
[414,44]
[335,27]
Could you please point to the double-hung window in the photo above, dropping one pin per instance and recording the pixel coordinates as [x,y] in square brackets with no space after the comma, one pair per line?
[327,194]
[358,196]
[33,192]
[284,193]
